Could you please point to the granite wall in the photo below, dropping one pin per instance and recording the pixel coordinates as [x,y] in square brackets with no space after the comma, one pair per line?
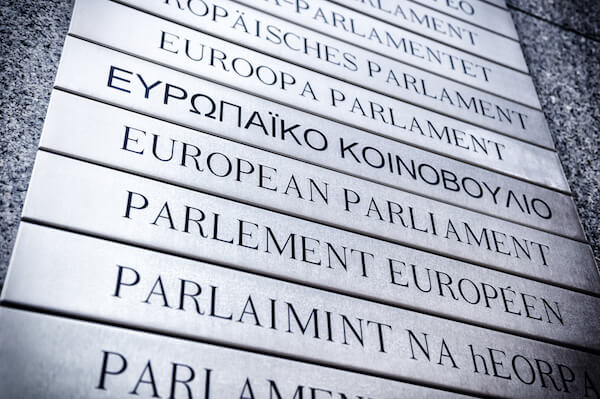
[561,42]
[560,39]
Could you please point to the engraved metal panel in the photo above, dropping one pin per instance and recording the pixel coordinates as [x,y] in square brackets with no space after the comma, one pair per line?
[499,3]
[476,12]
[198,103]
[165,42]
[74,359]
[389,40]
[318,265]
[327,55]
[89,198]
[230,307]
[128,141]
[441,27]
[387,273]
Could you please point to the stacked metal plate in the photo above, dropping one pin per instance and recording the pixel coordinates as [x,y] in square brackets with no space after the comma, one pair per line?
[298,199]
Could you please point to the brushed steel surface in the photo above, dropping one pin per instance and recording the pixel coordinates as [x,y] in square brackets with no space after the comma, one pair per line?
[89,198]
[379,36]
[307,48]
[438,26]
[476,12]
[89,76]
[165,42]
[499,3]
[229,307]
[388,274]
[355,270]
[122,139]
[75,359]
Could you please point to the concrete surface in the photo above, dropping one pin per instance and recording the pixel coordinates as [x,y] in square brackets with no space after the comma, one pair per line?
[560,39]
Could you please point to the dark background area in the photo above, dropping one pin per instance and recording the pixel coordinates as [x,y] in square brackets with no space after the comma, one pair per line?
[560,39]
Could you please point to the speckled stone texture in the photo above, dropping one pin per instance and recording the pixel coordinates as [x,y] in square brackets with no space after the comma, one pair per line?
[564,65]
[31,38]
[579,16]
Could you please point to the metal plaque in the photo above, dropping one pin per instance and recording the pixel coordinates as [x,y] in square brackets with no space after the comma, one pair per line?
[385,273]
[328,55]
[222,306]
[499,3]
[132,142]
[50,357]
[201,104]
[297,199]
[67,193]
[389,40]
[166,42]
[441,27]
[478,13]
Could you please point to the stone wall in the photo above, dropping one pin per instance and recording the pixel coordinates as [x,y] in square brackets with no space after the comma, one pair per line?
[561,43]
